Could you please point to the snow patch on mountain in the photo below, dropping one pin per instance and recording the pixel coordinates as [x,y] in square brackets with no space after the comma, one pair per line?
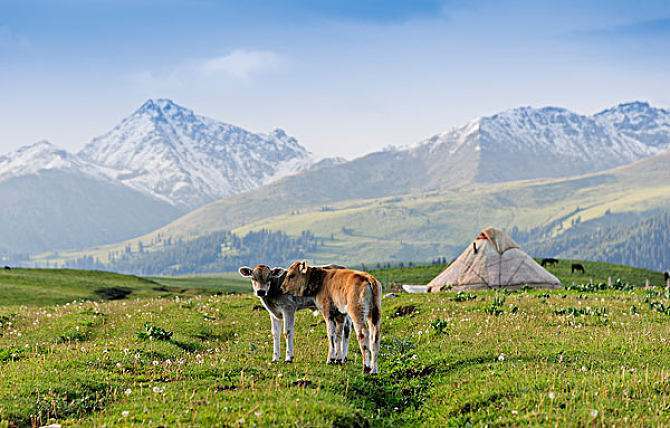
[44,156]
[639,121]
[526,142]
[176,155]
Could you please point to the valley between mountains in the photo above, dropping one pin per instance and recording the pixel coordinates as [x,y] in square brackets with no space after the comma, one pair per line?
[548,175]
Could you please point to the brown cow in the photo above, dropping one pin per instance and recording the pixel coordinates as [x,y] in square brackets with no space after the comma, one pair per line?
[266,284]
[338,293]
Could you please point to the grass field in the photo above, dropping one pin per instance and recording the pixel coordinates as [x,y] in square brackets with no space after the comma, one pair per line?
[43,287]
[566,358]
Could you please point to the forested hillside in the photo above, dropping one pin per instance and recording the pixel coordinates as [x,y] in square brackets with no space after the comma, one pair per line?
[645,243]
[216,252]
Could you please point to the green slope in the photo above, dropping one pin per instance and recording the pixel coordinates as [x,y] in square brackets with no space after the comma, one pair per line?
[65,209]
[419,226]
[42,287]
[644,243]
[550,357]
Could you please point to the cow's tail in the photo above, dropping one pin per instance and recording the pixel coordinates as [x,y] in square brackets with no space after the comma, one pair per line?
[374,299]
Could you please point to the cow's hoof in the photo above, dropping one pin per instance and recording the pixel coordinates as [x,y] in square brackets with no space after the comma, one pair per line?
[367,370]
[288,361]
[331,361]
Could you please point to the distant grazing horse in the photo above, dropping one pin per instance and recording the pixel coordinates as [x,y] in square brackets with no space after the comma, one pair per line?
[8,268]
[549,261]
[576,267]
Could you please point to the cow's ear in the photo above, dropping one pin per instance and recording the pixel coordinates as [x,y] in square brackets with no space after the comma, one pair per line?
[277,272]
[245,271]
[303,267]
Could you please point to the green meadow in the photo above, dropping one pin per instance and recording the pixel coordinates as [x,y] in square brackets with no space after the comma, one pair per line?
[195,351]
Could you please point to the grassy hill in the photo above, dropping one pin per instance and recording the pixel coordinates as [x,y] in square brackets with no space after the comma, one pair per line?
[566,358]
[595,272]
[68,209]
[423,225]
[640,243]
[43,287]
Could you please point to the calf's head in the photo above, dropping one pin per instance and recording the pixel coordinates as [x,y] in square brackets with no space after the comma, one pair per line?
[296,280]
[261,277]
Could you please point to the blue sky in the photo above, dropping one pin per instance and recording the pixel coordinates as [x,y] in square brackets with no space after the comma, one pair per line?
[344,77]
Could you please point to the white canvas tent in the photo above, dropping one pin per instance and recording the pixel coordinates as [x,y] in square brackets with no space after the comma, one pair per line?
[493,260]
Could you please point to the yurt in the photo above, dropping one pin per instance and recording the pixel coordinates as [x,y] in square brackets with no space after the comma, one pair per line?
[493,261]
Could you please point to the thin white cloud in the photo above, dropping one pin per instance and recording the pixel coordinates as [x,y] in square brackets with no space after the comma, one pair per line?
[242,64]
[238,65]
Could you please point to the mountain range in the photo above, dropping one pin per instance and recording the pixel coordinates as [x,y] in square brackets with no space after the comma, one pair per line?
[160,162]
[187,160]
[547,216]
[173,157]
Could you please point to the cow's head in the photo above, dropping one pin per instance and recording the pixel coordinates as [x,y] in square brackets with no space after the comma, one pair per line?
[295,281]
[261,277]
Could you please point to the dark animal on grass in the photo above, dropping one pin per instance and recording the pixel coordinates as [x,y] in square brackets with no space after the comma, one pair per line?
[266,283]
[549,261]
[338,293]
[8,268]
[577,267]
[666,276]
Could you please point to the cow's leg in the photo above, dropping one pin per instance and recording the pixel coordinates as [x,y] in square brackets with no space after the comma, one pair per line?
[375,337]
[363,337]
[346,333]
[331,333]
[289,329]
[339,331]
[276,339]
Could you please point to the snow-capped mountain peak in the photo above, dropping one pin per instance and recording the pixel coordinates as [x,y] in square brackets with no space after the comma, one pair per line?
[638,121]
[528,142]
[186,159]
[36,157]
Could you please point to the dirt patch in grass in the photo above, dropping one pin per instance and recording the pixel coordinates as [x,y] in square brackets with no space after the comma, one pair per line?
[222,388]
[354,420]
[113,293]
[302,383]
[403,311]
